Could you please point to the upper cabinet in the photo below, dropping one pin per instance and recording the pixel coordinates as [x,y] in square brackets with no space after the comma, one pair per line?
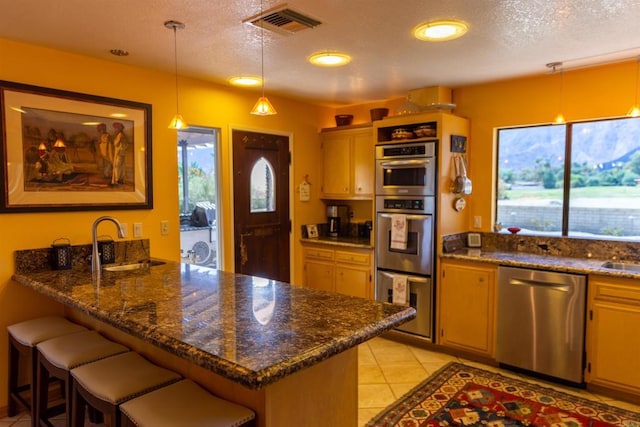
[347,161]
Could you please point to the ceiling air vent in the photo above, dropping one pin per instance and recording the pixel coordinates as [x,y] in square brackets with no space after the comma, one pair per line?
[282,19]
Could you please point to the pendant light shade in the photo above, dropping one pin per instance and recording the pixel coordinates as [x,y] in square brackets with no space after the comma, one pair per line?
[177,122]
[634,111]
[262,107]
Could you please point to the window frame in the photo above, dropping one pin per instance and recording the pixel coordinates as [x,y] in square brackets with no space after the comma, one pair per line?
[567,167]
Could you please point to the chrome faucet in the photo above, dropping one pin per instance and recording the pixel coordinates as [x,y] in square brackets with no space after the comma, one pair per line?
[95,256]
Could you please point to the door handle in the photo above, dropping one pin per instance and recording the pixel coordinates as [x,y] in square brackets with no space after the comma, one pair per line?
[412,279]
[243,248]
[404,163]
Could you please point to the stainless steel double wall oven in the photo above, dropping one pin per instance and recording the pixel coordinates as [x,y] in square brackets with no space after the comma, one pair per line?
[406,185]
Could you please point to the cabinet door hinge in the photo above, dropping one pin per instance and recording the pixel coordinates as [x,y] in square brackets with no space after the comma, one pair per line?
[443,273]
[590,314]
[442,332]
[589,367]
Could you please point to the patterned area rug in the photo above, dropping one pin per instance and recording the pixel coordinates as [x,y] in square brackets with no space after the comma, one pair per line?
[461,395]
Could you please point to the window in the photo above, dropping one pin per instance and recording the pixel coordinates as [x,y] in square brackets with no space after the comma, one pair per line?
[601,197]
[262,187]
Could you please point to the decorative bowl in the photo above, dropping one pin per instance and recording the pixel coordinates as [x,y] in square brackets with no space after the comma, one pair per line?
[344,119]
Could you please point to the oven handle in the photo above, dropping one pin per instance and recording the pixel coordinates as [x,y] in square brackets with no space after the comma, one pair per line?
[413,279]
[409,217]
[404,163]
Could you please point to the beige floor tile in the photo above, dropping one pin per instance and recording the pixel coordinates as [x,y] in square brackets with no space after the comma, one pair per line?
[432,356]
[365,355]
[375,396]
[399,390]
[404,373]
[365,414]
[370,373]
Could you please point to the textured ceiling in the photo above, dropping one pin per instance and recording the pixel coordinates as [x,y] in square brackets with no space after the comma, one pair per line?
[507,38]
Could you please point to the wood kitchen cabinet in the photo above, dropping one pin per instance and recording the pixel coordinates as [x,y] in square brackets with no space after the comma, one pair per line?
[346,271]
[466,306]
[348,160]
[613,337]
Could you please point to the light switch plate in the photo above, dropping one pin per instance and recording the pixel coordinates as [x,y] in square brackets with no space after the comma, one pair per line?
[137,229]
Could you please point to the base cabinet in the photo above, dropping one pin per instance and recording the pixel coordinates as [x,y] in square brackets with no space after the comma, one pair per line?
[466,296]
[613,337]
[346,271]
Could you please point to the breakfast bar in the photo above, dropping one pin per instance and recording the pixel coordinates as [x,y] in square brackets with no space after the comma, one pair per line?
[287,352]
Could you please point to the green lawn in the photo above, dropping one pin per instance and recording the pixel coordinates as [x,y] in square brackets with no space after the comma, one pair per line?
[583,192]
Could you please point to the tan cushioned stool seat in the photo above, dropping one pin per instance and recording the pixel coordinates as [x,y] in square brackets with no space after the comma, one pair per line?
[122,377]
[71,351]
[184,404]
[34,331]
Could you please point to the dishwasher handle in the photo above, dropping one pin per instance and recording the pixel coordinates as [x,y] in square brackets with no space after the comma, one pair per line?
[536,283]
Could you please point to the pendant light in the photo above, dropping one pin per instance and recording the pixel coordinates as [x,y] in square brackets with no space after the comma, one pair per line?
[634,111]
[177,122]
[554,66]
[263,107]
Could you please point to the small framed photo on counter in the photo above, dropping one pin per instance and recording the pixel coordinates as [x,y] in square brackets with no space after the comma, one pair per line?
[474,240]
[312,231]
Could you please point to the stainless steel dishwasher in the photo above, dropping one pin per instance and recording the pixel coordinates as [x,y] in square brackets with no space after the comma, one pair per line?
[541,321]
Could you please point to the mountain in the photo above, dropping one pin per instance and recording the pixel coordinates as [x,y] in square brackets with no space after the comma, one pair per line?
[603,143]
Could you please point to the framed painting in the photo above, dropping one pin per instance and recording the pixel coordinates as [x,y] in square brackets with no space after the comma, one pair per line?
[67,151]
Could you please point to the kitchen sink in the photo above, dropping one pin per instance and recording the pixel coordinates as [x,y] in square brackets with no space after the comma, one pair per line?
[132,266]
[623,266]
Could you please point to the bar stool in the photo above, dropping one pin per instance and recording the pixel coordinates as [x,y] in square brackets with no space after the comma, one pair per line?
[56,358]
[23,338]
[105,384]
[183,404]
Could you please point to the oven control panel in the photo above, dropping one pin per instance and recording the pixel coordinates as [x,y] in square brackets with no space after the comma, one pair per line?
[414,205]
[404,204]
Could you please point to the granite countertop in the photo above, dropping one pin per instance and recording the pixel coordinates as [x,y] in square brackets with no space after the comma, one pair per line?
[250,330]
[349,242]
[547,262]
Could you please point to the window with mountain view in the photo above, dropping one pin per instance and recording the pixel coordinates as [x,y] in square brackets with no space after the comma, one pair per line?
[601,197]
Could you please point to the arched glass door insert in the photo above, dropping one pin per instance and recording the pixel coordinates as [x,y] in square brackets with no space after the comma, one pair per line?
[262,187]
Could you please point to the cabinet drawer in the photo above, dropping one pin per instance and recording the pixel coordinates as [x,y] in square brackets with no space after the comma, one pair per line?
[317,253]
[617,293]
[353,257]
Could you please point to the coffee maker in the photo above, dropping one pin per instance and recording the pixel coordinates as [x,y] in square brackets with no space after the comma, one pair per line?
[338,220]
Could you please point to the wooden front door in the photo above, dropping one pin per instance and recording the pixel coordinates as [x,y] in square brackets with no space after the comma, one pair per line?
[261,204]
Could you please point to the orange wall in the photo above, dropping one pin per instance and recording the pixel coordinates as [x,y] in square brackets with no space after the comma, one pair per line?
[589,93]
[202,104]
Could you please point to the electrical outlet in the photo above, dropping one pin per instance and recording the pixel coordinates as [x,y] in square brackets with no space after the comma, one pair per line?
[125,229]
[477,221]
[164,227]
[137,229]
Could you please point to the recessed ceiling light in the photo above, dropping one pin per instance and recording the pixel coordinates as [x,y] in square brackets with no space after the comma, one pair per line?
[440,30]
[119,52]
[245,81]
[329,59]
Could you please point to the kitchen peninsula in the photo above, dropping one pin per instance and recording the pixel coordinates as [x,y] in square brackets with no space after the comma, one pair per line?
[289,353]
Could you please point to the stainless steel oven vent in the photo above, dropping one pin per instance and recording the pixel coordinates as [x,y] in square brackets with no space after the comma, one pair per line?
[283,20]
